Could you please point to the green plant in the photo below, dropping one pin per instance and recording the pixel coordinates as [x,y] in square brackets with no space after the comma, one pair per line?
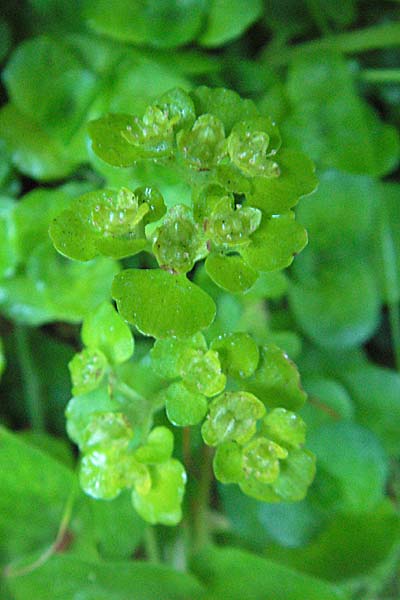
[235,211]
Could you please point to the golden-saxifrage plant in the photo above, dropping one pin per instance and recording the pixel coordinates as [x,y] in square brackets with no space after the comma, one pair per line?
[235,214]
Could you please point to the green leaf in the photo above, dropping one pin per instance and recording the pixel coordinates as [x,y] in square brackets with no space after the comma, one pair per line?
[108,142]
[337,129]
[30,506]
[228,19]
[375,391]
[230,272]
[141,78]
[8,253]
[236,574]
[184,407]
[106,470]
[102,221]
[276,381]
[289,484]
[179,107]
[105,429]
[204,145]
[201,372]
[55,16]
[48,84]
[55,447]
[104,329]
[168,355]
[285,428]
[387,243]
[56,289]
[224,104]
[353,548]
[346,301]
[33,151]
[132,21]
[74,289]
[92,580]
[72,238]
[329,400]
[87,369]
[229,226]
[82,408]
[275,243]
[352,467]
[178,242]
[238,353]
[158,447]
[32,216]
[345,228]
[162,504]
[252,146]
[162,305]
[232,416]
[296,474]
[290,524]
[118,529]
[228,462]
[277,195]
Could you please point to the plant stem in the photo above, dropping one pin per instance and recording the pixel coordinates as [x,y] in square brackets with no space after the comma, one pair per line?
[9,571]
[394,321]
[186,450]
[30,381]
[202,500]
[361,40]
[151,546]
[318,15]
[381,75]
[391,281]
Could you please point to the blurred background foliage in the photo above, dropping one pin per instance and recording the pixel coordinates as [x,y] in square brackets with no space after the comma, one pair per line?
[328,72]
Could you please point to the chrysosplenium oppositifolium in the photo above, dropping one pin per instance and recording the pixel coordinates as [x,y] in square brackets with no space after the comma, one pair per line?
[207,217]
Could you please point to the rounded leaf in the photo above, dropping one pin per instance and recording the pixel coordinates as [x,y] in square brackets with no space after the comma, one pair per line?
[230,272]
[179,107]
[276,381]
[178,242]
[162,305]
[146,24]
[278,194]
[184,407]
[106,330]
[87,369]
[108,142]
[232,417]
[158,447]
[168,355]
[106,428]
[238,353]
[204,145]
[228,463]
[72,238]
[261,460]
[285,428]
[162,504]
[106,471]
[224,104]
[201,372]
[275,243]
